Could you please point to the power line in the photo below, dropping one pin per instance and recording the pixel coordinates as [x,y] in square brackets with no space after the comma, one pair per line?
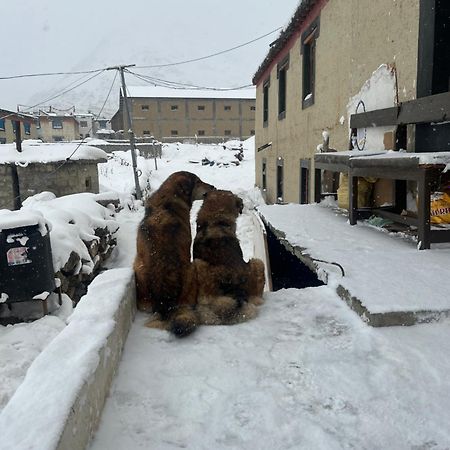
[212,55]
[47,74]
[177,85]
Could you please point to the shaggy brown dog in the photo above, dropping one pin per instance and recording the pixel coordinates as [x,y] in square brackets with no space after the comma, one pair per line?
[228,288]
[165,282]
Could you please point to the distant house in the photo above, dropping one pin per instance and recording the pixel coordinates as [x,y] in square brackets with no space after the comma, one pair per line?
[178,114]
[337,58]
[10,122]
[85,124]
[54,127]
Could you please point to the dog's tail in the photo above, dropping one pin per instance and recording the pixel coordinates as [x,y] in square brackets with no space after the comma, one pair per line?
[183,321]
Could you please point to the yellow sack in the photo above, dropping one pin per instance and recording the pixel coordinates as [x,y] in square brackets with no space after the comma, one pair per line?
[364,191]
[440,207]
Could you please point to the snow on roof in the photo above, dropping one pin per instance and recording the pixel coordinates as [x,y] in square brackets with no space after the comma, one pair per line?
[162,92]
[35,152]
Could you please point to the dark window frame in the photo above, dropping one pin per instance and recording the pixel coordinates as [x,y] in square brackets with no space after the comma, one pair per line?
[2,124]
[280,180]
[56,126]
[266,93]
[146,132]
[227,108]
[27,128]
[308,52]
[227,133]
[282,69]
[305,167]
[201,133]
[174,107]
[145,107]
[174,132]
[201,107]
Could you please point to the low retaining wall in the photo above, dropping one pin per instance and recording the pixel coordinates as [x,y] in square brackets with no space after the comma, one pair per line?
[59,403]
[145,150]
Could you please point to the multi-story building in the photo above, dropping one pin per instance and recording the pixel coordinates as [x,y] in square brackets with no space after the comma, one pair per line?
[53,127]
[10,121]
[178,114]
[341,57]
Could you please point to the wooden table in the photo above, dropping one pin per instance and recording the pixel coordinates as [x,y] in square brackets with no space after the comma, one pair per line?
[423,168]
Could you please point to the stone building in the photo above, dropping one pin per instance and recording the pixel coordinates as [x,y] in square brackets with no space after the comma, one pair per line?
[46,167]
[180,114]
[337,58]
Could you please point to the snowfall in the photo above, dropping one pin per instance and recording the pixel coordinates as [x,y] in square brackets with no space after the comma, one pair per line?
[307,373]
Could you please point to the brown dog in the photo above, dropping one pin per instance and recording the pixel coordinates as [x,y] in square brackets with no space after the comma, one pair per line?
[165,282]
[228,288]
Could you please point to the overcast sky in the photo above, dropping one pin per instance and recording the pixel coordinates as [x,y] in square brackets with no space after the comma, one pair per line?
[47,36]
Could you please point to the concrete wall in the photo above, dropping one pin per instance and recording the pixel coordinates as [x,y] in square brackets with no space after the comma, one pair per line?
[69,131]
[215,117]
[356,37]
[8,134]
[73,177]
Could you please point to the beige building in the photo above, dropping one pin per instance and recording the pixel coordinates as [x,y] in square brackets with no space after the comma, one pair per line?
[53,127]
[179,114]
[9,121]
[337,58]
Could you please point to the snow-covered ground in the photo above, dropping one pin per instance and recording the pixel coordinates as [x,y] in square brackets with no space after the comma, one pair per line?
[307,373]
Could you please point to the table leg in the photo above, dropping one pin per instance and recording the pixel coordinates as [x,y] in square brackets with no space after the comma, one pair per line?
[353,198]
[423,206]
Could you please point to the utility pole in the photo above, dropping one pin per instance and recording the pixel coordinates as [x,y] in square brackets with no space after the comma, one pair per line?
[130,128]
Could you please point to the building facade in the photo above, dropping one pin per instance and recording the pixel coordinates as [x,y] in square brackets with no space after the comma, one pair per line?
[173,114]
[9,121]
[53,127]
[334,59]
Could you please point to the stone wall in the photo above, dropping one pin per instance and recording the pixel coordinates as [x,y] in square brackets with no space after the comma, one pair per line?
[6,189]
[145,150]
[71,178]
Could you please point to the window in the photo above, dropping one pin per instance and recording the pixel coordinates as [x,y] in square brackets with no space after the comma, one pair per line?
[174,107]
[102,123]
[201,107]
[2,140]
[174,132]
[145,107]
[282,76]
[201,133]
[57,138]
[266,102]
[146,132]
[308,47]
[264,174]
[304,181]
[88,182]
[252,132]
[57,124]
[83,124]
[2,124]
[38,123]
[227,132]
[27,128]
[252,108]
[227,108]
[280,180]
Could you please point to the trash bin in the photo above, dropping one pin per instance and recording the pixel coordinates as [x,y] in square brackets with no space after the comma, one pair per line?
[26,266]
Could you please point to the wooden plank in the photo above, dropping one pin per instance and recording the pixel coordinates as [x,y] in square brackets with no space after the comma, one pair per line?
[434,108]
[440,236]
[412,221]
[377,118]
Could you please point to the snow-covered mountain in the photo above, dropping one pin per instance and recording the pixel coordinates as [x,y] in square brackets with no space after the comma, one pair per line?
[91,35]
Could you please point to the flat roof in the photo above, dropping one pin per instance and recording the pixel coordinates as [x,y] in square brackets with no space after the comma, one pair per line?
[163,92]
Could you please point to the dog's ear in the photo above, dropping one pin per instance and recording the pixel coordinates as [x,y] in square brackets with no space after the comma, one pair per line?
[239,205]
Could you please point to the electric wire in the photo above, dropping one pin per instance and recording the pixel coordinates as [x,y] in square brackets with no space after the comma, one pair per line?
[209,56]
[47,74]
[176,85]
